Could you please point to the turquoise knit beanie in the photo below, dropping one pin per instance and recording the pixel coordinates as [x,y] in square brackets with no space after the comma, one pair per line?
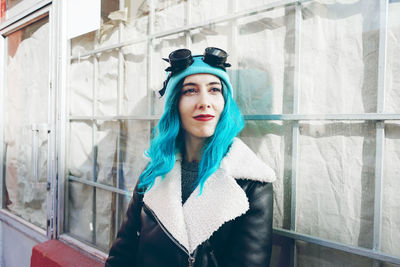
[198,66]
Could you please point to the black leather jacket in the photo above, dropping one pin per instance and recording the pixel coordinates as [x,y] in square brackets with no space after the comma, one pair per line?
[146,238]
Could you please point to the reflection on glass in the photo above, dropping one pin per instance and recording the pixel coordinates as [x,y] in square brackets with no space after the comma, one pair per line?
[335,183]
[265,73]
[26,122]
[339,57]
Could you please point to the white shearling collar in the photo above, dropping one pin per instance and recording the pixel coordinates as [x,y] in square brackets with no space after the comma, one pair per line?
[222,199]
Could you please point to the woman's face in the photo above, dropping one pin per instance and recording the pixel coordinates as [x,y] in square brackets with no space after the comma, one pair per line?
[200,105]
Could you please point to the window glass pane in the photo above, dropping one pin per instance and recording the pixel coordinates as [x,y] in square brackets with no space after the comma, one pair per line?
[335,183]
[94,215]
[272,142]
[119,206]
[81,87]
[392,92]
[80,150]
[79,211]
[135,139]
[169,14]
[106,154]
[89,215]
[390,242]
[135,98]
[313,255]
[107,84]
[339,57]
[264,76]
[136,25]
[26,122]
[204,10]
[120,152]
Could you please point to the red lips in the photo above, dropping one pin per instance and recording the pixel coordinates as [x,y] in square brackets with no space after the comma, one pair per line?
[204,117]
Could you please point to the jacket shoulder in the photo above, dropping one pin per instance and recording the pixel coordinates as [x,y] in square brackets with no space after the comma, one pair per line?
[242,163]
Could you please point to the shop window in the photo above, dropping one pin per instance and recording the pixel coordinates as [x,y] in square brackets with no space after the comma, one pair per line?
[26,122]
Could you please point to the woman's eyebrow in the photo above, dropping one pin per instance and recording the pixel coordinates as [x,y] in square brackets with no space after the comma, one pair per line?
[213,83]
[189,84]
[195,84]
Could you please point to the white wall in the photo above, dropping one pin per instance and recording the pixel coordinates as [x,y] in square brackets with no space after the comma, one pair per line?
[16,247]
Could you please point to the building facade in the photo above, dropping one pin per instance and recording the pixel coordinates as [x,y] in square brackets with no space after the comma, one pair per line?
[317,82]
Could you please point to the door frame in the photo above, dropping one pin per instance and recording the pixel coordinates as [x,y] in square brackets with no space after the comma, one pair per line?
[42,10]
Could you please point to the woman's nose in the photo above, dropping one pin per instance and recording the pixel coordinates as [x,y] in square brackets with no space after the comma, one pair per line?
[204,100]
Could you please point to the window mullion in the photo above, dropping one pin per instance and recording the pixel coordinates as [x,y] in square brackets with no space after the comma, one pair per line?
[94,141]
[380,127]
[295,129]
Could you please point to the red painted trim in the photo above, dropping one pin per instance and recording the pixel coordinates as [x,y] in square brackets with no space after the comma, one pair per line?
[54,253]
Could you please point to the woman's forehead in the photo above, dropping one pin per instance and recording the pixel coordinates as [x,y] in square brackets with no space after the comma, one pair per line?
[201,78]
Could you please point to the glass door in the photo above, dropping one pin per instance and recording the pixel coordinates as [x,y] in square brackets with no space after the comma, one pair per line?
[26,121]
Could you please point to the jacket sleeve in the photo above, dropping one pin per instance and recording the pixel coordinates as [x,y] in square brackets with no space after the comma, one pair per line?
[250,243]
[123,250]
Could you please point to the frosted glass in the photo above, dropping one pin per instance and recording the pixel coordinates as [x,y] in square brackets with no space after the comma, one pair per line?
[339,57]
[335,183]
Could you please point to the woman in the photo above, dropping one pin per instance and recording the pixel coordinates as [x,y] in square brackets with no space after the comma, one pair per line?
[204,199]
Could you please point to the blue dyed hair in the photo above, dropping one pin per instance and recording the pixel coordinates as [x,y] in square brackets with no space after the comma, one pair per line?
[168,139]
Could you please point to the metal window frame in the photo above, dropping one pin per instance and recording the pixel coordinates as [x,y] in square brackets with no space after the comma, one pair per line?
[23,226]
[379,117]
[21,10]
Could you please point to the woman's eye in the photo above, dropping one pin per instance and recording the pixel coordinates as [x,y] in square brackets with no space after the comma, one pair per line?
[188,91]
[215,89]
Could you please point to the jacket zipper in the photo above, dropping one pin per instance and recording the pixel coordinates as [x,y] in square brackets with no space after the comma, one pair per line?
[191,258]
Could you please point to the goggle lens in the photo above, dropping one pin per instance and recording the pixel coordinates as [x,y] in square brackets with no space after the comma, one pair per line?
[216,57]
[180,59]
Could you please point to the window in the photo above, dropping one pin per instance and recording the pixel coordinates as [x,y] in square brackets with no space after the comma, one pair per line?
[316,82]
[26,132]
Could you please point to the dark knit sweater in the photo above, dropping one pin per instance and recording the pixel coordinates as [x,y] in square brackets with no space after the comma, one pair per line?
[189,174]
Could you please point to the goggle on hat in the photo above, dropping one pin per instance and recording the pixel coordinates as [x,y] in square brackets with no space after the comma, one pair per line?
[183,64]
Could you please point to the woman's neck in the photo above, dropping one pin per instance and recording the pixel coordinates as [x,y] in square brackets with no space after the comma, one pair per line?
[193,148]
